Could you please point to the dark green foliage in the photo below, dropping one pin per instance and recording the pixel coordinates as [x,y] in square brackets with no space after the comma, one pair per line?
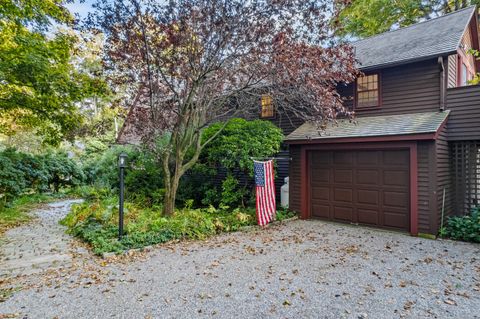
[62,171]
[283,214]
[196,184]
[143,176]
[234,194]
[239,142]
[466,228]
[231,151]
[12,180]
[21,173]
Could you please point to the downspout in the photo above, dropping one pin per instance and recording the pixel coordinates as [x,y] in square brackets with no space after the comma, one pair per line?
[442,84]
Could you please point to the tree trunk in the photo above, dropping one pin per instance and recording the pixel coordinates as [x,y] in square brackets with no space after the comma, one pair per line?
[171,187]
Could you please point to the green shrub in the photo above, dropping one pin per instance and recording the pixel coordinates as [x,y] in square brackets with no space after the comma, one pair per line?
[62,171]
[466,228]
[234,194]
[25,173]
[239,141]
[196,183]
[143,176]
[12,179]
[231,152]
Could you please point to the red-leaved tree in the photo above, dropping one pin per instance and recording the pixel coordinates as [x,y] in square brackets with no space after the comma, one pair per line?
[195,62]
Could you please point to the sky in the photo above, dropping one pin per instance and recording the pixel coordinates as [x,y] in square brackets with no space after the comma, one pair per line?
[82,9]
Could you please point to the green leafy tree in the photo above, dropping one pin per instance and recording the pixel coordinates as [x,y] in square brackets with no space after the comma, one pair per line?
[363,18]
[476,54]
[39,86]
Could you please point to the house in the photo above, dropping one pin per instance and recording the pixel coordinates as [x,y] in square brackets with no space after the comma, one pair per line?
[414,150]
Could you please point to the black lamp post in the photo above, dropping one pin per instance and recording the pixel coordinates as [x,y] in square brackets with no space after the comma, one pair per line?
[122,163]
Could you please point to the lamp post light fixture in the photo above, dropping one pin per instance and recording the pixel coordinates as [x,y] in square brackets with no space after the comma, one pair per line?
[122,163]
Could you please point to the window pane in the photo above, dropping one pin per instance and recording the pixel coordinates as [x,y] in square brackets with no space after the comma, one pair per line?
[464,75]
[367,90]
[267,106]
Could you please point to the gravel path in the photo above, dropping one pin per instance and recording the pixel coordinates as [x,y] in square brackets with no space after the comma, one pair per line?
[300,269]
[39,245]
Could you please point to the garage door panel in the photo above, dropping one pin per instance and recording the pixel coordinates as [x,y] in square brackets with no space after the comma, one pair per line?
[395,220]
[323,158]
[367,187]
[396,157]
[369,197]
[368,216]
[343,176]
[320,175]
[395,178]
[395,199]
[368,158]
[320,193]
[321,210]
[367,177]
[343,213]
[343,158]
[343,195]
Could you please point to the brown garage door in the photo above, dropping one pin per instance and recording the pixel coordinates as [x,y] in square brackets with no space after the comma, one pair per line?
[365,187]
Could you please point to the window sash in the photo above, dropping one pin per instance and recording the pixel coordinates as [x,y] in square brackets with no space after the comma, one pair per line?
[464,80]
[267,106]
[368,91]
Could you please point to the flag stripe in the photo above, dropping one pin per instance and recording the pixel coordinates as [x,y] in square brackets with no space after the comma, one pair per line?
[265,191]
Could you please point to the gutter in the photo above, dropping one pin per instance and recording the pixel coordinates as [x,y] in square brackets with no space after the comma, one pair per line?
[443,90]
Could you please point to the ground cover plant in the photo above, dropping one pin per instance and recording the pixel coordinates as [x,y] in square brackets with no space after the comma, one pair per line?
[466,228]
[96,222]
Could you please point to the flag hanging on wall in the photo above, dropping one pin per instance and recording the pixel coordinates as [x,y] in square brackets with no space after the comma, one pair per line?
[265,189]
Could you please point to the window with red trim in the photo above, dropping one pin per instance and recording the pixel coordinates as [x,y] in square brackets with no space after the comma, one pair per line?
[368,91]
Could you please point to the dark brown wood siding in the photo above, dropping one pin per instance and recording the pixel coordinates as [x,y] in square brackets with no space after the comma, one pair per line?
[295,179]
[452,71]
[410,88]
[426,186]
[287,123]
[444,178]
[464,119]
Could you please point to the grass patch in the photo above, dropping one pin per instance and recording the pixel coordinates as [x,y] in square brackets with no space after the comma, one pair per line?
[6,293]
[17,212]
[95,222]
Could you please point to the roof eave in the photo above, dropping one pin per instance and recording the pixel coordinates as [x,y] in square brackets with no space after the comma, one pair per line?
[365,139]
[402,62]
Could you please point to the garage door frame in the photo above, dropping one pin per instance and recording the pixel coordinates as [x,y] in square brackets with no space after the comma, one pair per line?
[374,146]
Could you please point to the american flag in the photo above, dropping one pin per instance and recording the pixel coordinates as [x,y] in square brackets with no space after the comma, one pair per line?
[265,187]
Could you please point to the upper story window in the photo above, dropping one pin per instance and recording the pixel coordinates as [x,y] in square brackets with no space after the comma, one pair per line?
[464,79]
[268,109]
[368,91]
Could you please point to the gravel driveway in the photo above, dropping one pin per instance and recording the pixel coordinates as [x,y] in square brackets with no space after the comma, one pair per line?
[299,269]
